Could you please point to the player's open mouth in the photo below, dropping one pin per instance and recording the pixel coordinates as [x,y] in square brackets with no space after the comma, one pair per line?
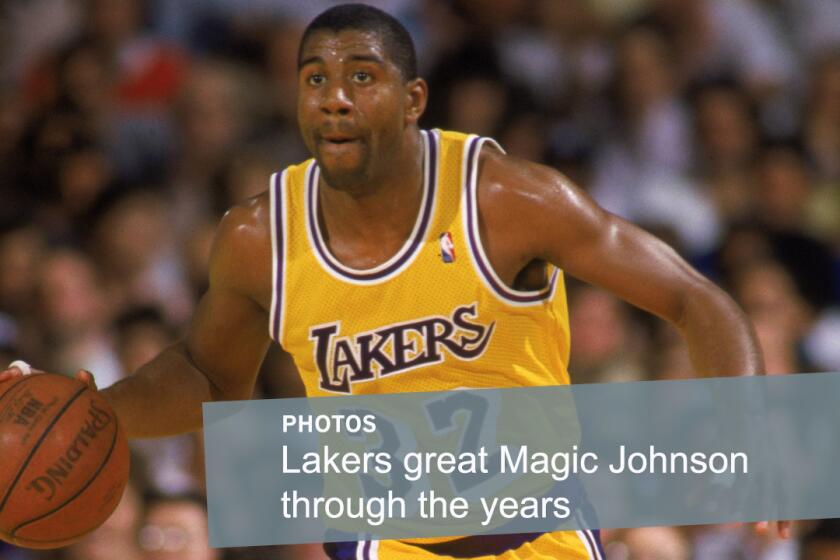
[338,144]
[338,140]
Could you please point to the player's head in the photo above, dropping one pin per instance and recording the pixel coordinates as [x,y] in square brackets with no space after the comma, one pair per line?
[359,17]
[359,91]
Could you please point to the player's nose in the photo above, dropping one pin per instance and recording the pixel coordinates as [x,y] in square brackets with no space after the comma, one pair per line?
[336,100]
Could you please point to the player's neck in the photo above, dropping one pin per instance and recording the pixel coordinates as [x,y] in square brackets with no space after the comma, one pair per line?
[385,206]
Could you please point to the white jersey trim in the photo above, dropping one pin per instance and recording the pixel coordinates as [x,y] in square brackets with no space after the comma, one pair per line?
[279,241]
[472,234]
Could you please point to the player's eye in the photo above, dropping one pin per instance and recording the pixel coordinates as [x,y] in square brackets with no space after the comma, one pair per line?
[361,77]
[316,79]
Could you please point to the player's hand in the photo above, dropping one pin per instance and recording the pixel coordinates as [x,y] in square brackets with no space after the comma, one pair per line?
[86,377]
[782,527]
[14,371]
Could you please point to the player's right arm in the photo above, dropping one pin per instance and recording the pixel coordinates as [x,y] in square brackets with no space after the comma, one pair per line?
[227,340]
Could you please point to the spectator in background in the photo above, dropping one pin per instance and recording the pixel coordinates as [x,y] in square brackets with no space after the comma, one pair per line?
[734,38]
[74,317]
[721,541]
[147,73]
[780,315]
[214,116]
[13,121]
[21,251]
[605,345]
[243,176]
[85,80]
[727,134]
[822,116]
[641,170]
[820,344]
[136,251]
[783,186]
[525,135]
[478,103]
[727,131]
[175,528]
[119,80]
[563,58]
[821,133]
[29,28]
[142,333]
[117,537]
[810,26]
[49,141]
[654,120]
[718,38]
[649,543]
[83,176]
[280,139]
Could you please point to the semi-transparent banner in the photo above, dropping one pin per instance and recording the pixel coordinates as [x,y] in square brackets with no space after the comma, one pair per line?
[523,460]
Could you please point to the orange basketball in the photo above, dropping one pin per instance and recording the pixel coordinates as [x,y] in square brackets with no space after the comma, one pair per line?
[63,461]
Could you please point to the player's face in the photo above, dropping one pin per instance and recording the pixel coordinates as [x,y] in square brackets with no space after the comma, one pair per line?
[353,106]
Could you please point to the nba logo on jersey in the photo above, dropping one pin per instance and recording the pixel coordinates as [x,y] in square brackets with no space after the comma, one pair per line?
[447,248]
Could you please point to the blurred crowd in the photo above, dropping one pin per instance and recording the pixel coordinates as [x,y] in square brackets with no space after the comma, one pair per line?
[127,127]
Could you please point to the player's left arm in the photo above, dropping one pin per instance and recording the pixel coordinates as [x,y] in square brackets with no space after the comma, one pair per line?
[564,226]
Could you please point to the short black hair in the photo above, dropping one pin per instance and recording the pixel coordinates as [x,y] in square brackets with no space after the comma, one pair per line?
[361,17]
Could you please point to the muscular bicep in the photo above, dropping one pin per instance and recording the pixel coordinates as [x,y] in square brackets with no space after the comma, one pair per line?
[600,248]
[228,340]
[610,252]
[228,336]
[555,221]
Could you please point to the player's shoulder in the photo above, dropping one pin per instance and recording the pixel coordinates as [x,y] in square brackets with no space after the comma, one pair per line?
[243,242]
[247,222]
[508,184]
[530,208]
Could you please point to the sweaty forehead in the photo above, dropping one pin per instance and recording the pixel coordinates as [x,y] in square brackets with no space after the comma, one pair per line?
[329,45]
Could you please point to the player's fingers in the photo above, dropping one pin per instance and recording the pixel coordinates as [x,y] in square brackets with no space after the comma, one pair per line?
[16,369]
[86,377]
[784,529]
[9,373]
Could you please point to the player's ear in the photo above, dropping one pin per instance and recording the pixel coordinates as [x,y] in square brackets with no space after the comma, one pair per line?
[417,94]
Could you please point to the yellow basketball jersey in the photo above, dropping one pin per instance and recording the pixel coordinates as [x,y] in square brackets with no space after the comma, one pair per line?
[434,317]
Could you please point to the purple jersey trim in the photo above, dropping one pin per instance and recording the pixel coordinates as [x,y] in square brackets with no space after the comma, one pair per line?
[277,187]
[475,244]
[408,251]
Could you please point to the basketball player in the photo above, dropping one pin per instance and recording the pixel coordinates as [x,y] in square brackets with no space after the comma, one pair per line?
[391,233]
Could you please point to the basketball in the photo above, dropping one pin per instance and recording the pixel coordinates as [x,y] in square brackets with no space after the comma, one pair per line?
[64,461]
